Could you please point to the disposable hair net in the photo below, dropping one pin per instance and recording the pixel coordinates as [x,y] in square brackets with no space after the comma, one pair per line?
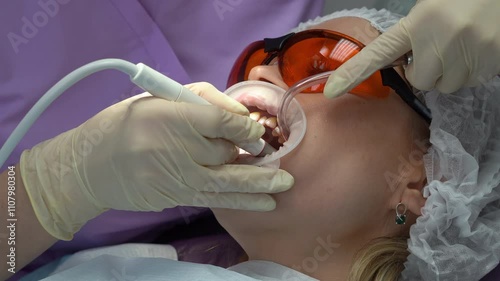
[458,235]
[379,19]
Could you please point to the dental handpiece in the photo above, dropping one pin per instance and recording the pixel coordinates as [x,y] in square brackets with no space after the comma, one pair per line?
[161,86]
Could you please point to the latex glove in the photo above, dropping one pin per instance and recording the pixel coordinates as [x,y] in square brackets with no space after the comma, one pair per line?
[216,97]
[455,43]
[146,154]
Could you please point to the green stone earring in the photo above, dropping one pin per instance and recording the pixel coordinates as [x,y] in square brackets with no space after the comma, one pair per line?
[400,217]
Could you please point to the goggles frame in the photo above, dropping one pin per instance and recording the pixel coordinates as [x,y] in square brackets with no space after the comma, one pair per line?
[274,47]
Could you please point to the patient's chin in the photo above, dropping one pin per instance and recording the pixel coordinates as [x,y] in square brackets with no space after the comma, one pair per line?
[234,221]
[242,217]
[241,223]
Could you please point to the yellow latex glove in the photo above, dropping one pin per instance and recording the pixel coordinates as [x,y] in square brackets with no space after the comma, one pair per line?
[147,154]
[455,43]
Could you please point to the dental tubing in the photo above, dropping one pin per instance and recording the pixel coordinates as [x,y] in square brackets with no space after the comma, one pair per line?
[142,75]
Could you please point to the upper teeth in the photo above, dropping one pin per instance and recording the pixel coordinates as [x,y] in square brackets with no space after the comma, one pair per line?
[260,117]
[270,122]
[255,116]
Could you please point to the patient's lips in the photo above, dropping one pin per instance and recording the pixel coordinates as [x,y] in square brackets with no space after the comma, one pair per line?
[260,101]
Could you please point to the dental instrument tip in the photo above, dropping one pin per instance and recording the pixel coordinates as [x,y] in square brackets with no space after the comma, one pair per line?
[266,150]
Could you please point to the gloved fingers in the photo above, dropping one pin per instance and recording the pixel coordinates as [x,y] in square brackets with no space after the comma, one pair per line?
[213,122]
[216,97]
[218,152]
[238,201]
[453,77]
[426,69]
[240,178]
[381,52]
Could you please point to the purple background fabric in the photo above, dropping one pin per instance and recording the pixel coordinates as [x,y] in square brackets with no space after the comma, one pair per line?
[189,41]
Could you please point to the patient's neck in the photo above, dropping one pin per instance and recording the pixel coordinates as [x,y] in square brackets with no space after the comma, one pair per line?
[320,257]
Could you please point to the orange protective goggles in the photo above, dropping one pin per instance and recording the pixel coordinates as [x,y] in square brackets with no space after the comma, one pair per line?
[303,54]
[307,53]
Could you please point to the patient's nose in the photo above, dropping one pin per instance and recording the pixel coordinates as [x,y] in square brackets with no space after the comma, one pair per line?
[268,73]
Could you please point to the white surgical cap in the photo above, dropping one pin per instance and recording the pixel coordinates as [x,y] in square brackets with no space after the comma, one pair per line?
[380,19]
[458,235]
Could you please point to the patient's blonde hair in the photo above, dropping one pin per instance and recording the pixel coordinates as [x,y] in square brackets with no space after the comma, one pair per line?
[380,260]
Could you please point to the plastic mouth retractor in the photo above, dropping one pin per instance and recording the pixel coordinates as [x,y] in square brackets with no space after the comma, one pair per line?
[268,97]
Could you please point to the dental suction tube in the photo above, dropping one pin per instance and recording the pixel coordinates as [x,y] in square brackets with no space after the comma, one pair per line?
[291,93]
[143,76]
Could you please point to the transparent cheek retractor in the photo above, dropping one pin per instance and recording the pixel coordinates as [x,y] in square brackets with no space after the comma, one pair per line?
[267,97]
[277,102]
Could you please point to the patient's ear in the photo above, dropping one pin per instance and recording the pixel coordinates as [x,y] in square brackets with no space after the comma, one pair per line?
[410,190]
[414,199]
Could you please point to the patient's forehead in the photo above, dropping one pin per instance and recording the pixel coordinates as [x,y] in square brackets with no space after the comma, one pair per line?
[358,28]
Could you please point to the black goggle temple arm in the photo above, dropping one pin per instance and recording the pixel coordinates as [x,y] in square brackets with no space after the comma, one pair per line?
[392,79]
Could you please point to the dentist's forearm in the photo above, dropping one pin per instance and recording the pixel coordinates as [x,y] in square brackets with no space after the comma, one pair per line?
[22,238]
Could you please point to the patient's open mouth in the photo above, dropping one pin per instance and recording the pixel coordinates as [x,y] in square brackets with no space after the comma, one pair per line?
[265,114]
[263,101]
[272,134]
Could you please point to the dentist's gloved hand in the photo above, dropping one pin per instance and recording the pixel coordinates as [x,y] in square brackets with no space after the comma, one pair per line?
[216,97]
[455,43]
[147,154]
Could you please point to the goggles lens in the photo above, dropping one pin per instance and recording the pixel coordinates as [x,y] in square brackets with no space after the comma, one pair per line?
[305,54]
